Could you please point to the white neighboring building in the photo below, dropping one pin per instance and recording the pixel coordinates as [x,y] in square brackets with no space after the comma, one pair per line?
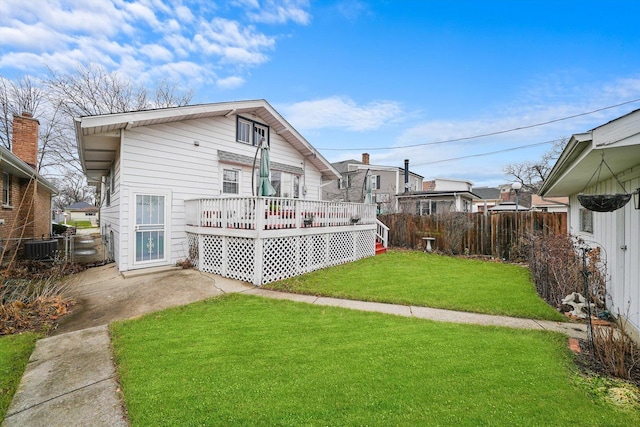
[617,232]
[439,195]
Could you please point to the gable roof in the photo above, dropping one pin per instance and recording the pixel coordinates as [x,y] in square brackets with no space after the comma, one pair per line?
[343,167]
[98,136]
[508,206]
[435,194]
[617,140]
[487,193]
[13,165]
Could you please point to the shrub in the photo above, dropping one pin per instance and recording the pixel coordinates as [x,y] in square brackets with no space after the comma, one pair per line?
[454,226]
[558,268]
[615,351]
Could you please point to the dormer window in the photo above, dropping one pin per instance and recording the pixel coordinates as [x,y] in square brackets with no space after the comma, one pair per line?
[251,132]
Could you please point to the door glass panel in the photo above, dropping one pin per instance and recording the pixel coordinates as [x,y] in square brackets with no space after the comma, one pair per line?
[149,227]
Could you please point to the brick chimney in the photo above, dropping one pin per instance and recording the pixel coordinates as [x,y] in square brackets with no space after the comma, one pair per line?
[25,138]
[365,158]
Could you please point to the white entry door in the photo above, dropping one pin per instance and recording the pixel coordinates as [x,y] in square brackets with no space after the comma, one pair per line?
[150,228]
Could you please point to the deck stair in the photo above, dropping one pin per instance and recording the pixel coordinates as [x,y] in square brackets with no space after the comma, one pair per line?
[380,249]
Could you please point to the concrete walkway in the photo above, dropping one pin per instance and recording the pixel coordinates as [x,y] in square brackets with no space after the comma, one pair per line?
[70,379]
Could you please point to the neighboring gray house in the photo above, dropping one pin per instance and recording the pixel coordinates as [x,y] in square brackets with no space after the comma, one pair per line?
[439,195]
[388,182]
[488,197]
[579,170]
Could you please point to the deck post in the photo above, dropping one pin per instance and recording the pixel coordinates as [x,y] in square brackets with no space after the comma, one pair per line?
[259,261]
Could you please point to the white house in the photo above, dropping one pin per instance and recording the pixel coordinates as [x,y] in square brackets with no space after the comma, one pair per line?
[580,169]
[81,211]
[439,195]
[180,182]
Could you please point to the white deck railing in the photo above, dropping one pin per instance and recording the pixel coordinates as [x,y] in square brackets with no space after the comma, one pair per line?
[273,213]
[265,239]
[382,233]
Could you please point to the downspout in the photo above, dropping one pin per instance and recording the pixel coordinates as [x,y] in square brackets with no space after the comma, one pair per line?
[406,175]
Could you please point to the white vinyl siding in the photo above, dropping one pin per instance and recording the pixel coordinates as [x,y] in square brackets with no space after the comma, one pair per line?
[617,233]
[166,157]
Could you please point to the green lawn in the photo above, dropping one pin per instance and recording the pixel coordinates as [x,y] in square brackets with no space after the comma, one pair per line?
[243,360]
[422,279]
[14,355]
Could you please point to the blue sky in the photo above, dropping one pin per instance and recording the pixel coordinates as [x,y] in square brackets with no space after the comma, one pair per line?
[364,76]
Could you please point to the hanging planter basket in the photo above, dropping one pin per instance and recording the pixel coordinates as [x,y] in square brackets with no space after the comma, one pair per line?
[604,202]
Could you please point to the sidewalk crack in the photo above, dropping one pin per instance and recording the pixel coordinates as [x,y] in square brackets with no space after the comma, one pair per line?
[59,396]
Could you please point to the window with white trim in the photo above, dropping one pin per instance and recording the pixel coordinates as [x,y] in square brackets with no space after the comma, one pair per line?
[375,182]
[260,132]
[230,181]
[251,132]
[345,181]
[586,220]
[243,133]
[6,189]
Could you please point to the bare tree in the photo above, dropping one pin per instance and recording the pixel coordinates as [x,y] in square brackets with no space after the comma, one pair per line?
[93,91]
[533,173]
[15,98]
[169,95]
[55,102]
[72,188]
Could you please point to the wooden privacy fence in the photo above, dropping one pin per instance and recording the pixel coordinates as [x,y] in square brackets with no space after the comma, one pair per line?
[472,233]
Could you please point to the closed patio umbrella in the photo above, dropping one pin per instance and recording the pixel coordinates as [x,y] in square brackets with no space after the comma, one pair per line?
[265,188]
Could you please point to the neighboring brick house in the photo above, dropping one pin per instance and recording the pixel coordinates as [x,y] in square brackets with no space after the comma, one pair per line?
[388,182]
[26,195]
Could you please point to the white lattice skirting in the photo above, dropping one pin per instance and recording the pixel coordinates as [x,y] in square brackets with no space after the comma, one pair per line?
[267,260]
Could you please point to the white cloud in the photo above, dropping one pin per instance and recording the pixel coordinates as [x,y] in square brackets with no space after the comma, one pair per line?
[137,37]
[232,82]
[183,71]
[179,44]
[351,9]
[37,37]
[184,14]
[233,44]
[343,113]
[139,11]
[156,52]
[276,11]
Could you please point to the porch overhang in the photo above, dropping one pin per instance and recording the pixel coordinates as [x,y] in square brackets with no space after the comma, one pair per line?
[579,161]
[98,137]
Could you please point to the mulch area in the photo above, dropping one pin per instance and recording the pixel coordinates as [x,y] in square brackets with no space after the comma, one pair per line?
[589,363]
[41,315]
[40,310]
